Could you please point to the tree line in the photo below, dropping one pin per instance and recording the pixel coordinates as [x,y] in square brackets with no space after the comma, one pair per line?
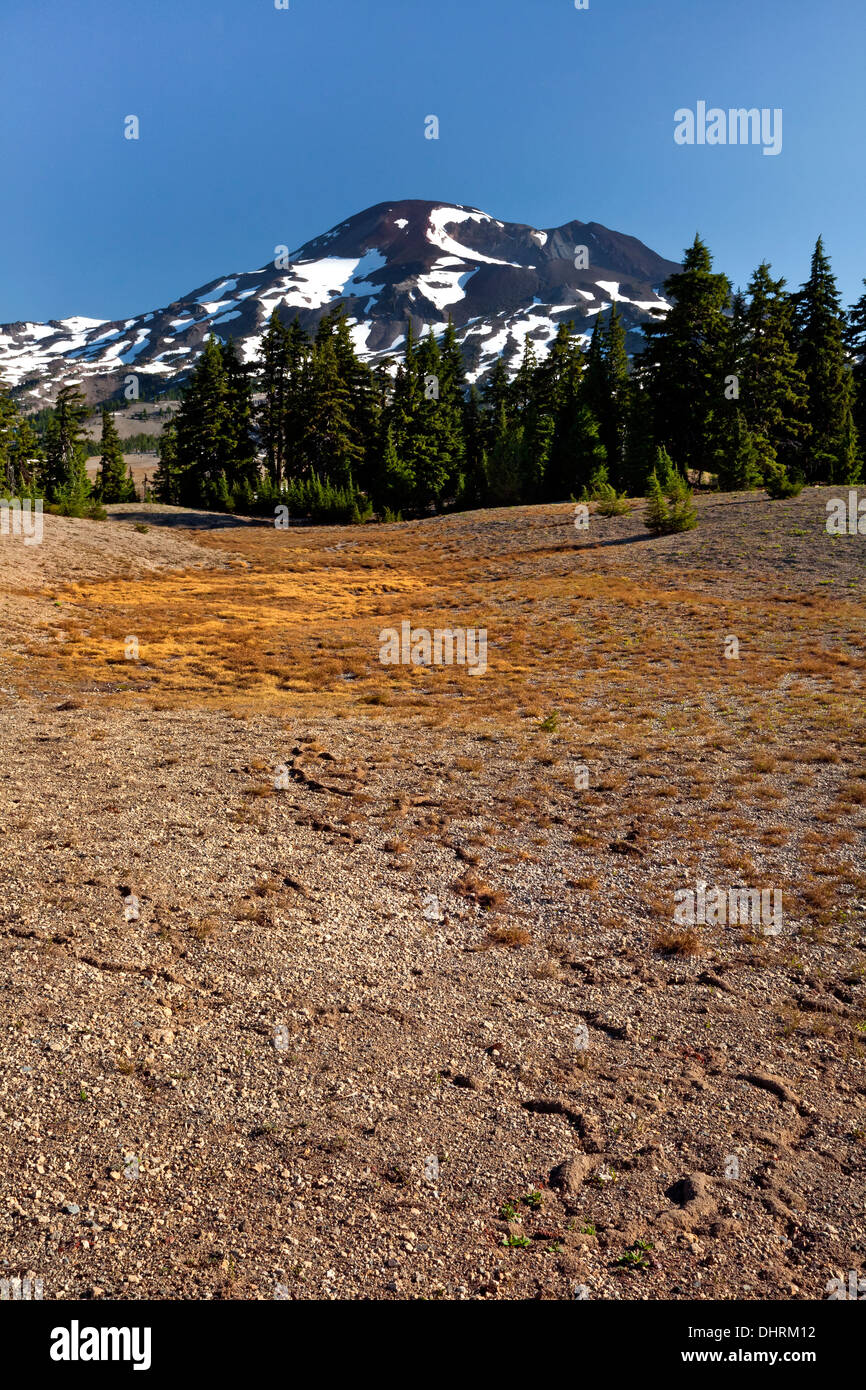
[762,387]
[45,455]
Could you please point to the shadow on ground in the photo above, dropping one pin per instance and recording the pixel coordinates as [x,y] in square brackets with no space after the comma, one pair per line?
[181,517]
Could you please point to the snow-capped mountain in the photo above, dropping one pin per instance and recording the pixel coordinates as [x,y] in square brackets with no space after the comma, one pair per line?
[501,282]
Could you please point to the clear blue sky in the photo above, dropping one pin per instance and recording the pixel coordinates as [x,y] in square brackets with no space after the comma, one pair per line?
[261,127]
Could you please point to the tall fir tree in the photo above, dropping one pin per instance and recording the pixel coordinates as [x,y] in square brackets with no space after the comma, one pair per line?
[475,451]
[505,461]
[685,357]
[239,462]
[8,429]
[821,329]
[452,404]
[855,341]
[66,479]
[298,411]
[395,482]
[113,483]
[26,458]
[533,403]
[332,442]
[357,378]
[428,441]
[561,397]
[594,382]
[614,412]
[579,451]
[738,460]
[167,478]
[773,395]
[203,430]
[274,377]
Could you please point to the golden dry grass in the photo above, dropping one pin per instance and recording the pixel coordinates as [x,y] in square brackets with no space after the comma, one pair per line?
[687,745]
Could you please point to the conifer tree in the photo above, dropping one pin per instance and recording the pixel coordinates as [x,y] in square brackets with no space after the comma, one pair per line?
[429,441]
[855,340]
[578,451]
[298,411]
[505,462]
[203,429]
[738,329]
[8,428]
[657,514]
[535,400]
[395,485]
[538,433]
[614,410]
[166,479]
[778,483]
[524,386]
[274,363]
[332,444]
[452,404]
[669,499]
[594,382]
[419,430]
[738,461]
[495,396]
[772,386]
[364,417]
[685,357]
[113,482]
[549,441]
[848,460]
[821,327]
[26,458]
[239,452]
[639,449]
[402,409]
[65,457]
[475,451]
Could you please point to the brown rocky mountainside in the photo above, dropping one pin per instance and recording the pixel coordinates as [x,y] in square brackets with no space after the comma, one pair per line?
[501,282]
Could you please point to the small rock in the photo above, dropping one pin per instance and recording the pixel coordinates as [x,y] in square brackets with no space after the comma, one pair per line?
[570,1175]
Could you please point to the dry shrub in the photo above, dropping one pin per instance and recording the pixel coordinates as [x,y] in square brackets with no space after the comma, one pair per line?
[205,927]
[253,912]
[264,886]
[511,937]
[587,885]
[669,942]
[475,890]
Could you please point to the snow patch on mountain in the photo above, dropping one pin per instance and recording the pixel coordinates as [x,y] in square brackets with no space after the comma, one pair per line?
[442,217]
[444,287]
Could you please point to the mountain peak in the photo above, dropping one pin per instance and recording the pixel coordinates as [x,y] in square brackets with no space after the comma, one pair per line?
[500,282]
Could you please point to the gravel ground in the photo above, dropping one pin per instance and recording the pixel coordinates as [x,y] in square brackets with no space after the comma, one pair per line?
[360,1003]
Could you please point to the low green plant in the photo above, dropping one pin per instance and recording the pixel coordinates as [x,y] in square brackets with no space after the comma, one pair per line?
[669,502]
[778,484]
